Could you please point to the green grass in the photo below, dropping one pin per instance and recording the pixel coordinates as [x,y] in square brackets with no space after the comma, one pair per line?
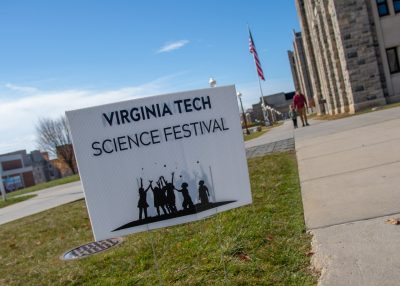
[11,201]
[46,185]
[255,134]
[261,244]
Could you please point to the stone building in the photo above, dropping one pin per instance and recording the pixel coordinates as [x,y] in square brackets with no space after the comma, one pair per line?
[300,72]
[352,52]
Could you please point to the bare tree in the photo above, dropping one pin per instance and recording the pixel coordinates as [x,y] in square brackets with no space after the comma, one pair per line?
[54,137]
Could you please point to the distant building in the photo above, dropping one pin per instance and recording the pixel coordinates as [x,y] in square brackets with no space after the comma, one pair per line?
[17,170]
[300,71]
[293,68]
[43,169]
[248,117]
[257,112]
[20,169]
[279,101]
[352,53]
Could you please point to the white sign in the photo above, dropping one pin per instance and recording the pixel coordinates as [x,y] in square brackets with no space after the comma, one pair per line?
[160,161]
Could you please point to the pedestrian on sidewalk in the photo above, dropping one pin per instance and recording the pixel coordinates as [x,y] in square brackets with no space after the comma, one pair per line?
[293,115]
[300,104]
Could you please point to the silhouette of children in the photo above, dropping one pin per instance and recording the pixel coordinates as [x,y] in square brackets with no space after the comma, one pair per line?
[163,189]
[169,190]
[142,203]
[187,200]
[159,198]
[203,193]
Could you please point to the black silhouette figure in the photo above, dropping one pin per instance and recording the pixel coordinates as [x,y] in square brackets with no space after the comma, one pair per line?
[203,193]
[142,203]
[187,200]
[163,188]
[159,198]
[169,190]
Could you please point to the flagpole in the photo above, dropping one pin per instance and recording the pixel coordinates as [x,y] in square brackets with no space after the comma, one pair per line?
[263,105]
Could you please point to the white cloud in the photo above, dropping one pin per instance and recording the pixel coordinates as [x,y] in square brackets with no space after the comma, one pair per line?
[20,114]
[19,88]
[168,47]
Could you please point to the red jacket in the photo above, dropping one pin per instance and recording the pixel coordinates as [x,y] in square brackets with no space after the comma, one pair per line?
[299,100]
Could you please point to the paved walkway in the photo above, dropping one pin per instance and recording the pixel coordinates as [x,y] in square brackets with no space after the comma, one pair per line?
[279,146]
[275,134]
[350,180]
[45,199]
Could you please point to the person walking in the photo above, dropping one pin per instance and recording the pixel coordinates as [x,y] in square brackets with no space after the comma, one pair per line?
[300,105]
[293,115]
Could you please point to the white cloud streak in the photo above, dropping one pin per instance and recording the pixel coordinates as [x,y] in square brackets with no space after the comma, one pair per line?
[169,47]
[19,88]
[20,114]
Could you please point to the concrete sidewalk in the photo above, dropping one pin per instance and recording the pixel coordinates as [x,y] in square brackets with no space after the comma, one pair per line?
[350,179]
[280,133]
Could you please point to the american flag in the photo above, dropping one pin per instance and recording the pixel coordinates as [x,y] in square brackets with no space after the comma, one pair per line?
[253,50]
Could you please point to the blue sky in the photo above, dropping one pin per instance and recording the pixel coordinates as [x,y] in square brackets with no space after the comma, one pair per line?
[62,55]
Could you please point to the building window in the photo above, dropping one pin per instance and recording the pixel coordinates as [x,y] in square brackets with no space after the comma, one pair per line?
[383,8]
[396,5]
[393,60]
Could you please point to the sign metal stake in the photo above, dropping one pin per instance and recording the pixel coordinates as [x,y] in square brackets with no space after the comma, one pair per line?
[160,280]
[221,250]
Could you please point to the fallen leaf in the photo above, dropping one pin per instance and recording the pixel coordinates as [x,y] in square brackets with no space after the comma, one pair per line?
[244,257]
[269,237]
[394,221]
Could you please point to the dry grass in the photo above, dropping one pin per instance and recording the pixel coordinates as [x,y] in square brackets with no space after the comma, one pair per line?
[344,115]
[261,244]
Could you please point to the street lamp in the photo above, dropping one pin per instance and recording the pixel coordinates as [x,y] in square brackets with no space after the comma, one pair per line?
[239,95]
[212,82]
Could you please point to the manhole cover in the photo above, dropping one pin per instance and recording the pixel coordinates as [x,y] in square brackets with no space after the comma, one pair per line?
[91,248]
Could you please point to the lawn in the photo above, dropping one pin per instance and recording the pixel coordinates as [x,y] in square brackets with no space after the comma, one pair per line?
[11,201]
[255,134]
[261,244]
[46,185]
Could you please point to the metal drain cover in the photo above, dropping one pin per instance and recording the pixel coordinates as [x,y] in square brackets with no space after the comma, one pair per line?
[91,248]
